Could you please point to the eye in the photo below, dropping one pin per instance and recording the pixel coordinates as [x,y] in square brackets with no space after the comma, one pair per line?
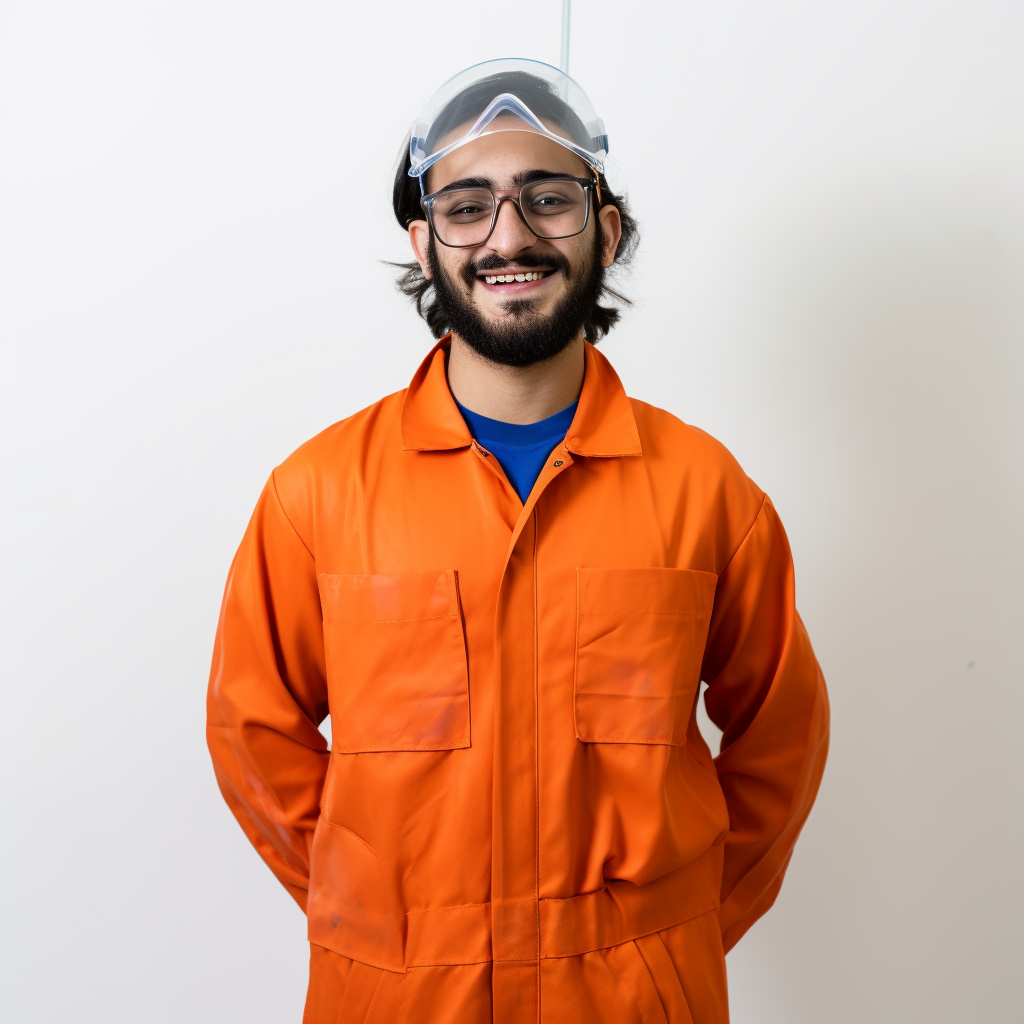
[554,200]
[464,205]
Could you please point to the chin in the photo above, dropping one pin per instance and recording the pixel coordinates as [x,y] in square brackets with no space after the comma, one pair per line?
[520,310]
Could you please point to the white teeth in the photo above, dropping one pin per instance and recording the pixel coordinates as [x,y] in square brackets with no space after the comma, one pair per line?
[533,275]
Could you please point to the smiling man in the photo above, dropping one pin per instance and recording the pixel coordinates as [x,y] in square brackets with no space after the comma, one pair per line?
[505,585]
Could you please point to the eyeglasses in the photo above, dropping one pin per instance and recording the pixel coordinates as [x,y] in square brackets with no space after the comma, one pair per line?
[551,208]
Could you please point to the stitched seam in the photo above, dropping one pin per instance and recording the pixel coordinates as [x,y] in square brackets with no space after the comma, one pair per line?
[448,963]
[334,952]
[750,530]
[412,618]
[637,739]
[354,835]
[380,978]
[398,750]
[622,942]
[576,659]
[604,455]
[652,612]
[575,952]
[287,518]
[536,732]
[452,906]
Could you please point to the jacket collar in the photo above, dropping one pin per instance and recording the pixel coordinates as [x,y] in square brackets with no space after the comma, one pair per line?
[603,425]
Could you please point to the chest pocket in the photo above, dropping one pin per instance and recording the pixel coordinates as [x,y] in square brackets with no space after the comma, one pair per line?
[396,662]
[640,636]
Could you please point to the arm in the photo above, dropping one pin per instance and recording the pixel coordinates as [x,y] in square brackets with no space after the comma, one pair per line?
[767,694]
[268,692]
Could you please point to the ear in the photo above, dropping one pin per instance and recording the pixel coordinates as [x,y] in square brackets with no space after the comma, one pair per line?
[419,239]
[611,232]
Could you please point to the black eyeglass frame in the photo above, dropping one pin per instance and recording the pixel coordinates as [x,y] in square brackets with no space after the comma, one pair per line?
[427,205]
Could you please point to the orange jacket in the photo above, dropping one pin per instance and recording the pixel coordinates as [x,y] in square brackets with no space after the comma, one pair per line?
[518,816]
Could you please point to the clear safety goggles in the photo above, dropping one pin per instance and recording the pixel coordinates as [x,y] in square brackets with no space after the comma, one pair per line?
[511,94]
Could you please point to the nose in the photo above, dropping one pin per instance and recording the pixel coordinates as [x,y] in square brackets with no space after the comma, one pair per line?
[510,235]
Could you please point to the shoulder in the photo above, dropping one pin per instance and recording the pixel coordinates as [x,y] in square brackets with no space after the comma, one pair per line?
[319,469]
[674,443]
[698,475]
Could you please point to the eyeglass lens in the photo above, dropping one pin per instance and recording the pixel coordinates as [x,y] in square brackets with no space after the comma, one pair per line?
[552,209]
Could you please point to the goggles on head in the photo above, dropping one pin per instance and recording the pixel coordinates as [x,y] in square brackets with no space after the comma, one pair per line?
[512,94]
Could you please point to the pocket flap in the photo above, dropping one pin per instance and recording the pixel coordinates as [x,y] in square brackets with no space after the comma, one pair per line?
[396,661]
[389,598]
[640,639]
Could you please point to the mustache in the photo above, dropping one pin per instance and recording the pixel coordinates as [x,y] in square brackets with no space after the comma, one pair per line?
[494,262]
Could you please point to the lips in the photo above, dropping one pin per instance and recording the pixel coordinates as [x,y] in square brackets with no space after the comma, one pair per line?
[515,279]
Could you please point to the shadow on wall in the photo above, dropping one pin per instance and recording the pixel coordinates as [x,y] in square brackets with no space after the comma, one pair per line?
[890,388]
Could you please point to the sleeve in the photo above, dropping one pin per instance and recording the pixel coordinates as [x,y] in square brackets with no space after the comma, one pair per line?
[767,694]
[268,693]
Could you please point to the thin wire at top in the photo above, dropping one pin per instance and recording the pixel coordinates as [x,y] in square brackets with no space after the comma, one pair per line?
[566,15]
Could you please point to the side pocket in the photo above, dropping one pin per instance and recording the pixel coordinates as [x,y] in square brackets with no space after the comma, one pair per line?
[665,979]
[396,662]
[694,950]
[640,636]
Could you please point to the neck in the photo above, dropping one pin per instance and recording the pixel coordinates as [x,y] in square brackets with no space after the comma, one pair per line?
[515,394]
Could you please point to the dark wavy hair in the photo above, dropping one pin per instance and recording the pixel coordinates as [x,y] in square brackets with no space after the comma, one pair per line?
[406,196]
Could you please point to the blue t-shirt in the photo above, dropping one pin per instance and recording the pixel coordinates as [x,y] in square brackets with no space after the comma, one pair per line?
[521,448]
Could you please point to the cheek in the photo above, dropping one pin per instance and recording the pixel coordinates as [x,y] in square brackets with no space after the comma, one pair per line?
[584,249]
[454,269]
[582,257]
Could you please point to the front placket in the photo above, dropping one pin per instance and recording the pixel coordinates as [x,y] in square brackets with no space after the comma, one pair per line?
[515,883]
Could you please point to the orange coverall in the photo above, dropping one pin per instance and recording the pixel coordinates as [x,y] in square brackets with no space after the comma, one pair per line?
[518,820]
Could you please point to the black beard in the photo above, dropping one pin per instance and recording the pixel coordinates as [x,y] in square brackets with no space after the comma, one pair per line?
[525,337]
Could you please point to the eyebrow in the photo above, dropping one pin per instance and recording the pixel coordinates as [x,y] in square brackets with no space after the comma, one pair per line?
[518,180]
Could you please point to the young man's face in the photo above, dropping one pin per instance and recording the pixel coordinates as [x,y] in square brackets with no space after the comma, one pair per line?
[516,323]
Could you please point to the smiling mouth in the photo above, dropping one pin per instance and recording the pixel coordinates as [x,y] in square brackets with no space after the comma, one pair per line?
[510,280]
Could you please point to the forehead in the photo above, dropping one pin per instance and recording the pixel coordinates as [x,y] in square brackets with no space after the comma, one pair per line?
[504,156]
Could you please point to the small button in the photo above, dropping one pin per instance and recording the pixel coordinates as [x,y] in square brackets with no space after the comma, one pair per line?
[558,462]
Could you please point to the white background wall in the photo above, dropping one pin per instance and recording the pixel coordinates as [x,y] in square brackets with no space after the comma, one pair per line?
[195,202]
